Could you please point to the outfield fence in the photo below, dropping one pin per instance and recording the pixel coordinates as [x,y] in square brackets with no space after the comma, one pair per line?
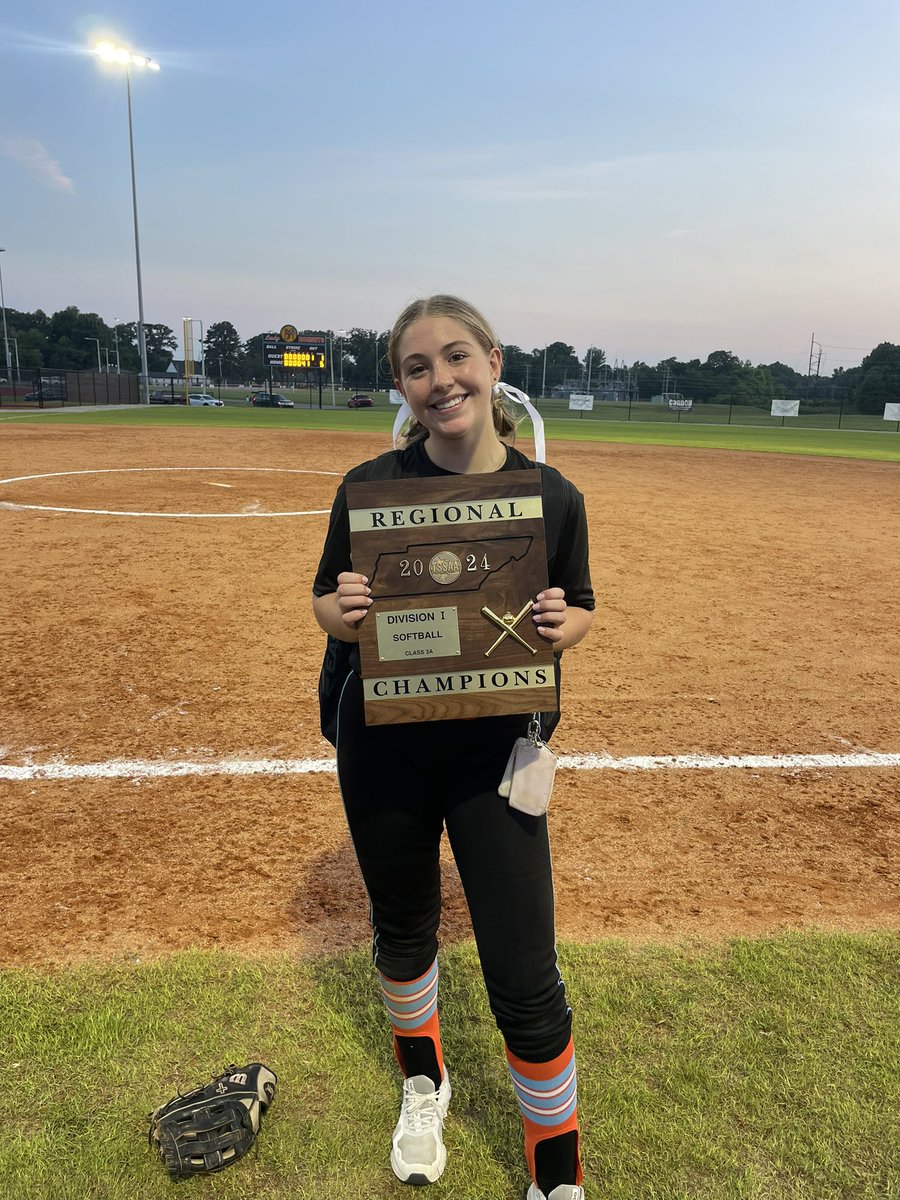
[65,389]
[834,413]
[838,414]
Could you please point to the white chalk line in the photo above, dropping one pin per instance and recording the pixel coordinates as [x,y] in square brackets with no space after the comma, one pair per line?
[62,769]
[135,470]
[111,512]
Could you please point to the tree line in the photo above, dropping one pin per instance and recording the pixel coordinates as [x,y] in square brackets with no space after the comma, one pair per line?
[72,340]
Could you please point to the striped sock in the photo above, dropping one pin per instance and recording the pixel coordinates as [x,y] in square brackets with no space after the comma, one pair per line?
[413,1013]
[548,1099]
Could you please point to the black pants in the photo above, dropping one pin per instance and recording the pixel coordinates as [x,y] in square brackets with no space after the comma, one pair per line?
[401,784]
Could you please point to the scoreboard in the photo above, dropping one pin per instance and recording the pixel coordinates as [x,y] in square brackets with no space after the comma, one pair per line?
[306,351]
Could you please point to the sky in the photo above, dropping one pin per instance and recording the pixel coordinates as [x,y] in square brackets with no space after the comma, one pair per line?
[655,179]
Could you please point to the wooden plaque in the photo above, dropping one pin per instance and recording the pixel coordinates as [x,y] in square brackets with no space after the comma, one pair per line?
[454,564]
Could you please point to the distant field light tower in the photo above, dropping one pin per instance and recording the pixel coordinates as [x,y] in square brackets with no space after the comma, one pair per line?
[120,56]
[342,333]
[5,334]
[97,340]
[189,322]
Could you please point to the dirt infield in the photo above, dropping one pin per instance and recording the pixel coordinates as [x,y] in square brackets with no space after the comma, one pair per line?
[748,605]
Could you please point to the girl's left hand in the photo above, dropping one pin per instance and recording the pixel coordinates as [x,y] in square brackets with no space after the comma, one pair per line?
[549,613]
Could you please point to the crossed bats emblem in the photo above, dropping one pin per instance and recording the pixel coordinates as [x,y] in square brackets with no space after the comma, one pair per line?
[508,623]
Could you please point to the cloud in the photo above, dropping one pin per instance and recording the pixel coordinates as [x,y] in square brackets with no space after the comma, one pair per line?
[33,156]
[495,174]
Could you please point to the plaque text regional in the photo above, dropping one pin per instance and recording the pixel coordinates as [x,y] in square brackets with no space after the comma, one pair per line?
[454,563]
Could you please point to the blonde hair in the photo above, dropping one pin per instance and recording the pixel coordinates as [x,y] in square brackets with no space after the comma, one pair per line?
[456,309]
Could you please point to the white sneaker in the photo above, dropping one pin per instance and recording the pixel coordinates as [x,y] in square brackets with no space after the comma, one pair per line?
[565,1191]
[418,1154]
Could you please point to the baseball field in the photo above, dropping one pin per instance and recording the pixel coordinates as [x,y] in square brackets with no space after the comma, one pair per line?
[178,886]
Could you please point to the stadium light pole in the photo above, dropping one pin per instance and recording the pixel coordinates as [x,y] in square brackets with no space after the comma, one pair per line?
[5,334]
[202,357]
[342,333]
[376,362]
[118,54]
[99,364]
[197,321]
[331,364]
[15,342]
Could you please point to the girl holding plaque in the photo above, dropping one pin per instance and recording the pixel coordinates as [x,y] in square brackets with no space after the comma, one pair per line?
[402,784]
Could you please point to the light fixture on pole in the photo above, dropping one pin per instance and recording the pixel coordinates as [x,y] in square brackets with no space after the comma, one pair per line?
[5,334]
[118,54]
[97,340]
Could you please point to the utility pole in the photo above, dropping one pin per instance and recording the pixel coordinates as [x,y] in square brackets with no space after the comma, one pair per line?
[812,355]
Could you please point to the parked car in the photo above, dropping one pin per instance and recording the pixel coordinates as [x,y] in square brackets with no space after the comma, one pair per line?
[360,402]
[202,400]
[271,400]
[165,398]
[48,393]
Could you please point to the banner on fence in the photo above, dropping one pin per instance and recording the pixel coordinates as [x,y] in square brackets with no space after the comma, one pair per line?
[892,412]
[581,401]
[785,408]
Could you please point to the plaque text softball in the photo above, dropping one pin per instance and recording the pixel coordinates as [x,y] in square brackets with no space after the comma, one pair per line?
[454,563]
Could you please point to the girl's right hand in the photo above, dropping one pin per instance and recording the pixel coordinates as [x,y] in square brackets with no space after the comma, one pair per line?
[353,597]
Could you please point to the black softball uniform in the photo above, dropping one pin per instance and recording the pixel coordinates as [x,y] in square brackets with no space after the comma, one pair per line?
[403,784]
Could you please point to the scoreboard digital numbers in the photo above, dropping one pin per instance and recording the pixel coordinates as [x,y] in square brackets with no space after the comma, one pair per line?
[303,358]
[303,351]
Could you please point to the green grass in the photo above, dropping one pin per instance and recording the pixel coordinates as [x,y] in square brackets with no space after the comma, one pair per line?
[754,1070]
[829,443]
[878,444]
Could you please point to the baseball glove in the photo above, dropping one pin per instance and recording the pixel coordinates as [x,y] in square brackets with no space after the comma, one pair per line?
[215,1124]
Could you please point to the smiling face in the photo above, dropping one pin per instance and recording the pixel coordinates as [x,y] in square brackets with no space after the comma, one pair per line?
[446,377]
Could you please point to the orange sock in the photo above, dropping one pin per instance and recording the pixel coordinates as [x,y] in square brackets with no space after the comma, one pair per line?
[548,1100]
[412,1009]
